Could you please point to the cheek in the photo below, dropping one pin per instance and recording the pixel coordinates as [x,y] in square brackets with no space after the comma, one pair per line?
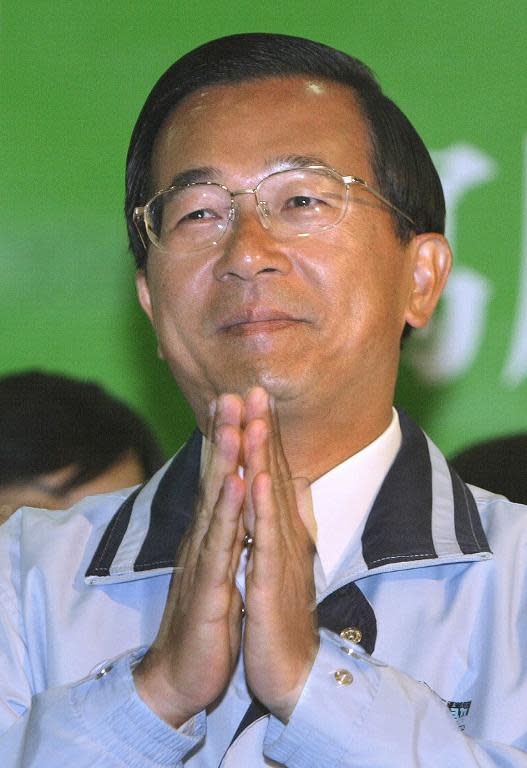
[359,279]
[340,273]
[176,296]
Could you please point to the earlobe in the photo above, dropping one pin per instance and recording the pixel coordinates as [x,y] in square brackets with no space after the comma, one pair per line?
[143,293]
[432,263]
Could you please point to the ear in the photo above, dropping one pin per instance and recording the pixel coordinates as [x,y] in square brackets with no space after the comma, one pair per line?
[145,300]
[143,294]
[432,264]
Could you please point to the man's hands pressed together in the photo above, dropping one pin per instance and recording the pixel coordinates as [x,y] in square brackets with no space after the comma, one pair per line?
[192,660]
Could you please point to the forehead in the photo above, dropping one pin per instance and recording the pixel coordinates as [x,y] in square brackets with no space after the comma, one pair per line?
[241,128]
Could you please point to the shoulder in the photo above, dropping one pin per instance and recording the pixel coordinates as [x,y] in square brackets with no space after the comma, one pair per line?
[504,522]
[88,513]
[37,538]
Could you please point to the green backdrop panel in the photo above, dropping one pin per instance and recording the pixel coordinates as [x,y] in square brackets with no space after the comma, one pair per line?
[74,76]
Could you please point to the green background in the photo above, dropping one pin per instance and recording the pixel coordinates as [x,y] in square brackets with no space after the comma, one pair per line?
[73,78]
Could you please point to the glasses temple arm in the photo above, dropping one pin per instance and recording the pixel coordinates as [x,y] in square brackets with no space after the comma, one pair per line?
[137,217]
[349,180]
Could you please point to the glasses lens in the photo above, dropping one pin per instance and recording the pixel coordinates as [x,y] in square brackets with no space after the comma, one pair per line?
[188,218]
[304,200]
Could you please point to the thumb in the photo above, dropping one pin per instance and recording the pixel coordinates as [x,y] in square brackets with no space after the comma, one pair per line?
[304,502]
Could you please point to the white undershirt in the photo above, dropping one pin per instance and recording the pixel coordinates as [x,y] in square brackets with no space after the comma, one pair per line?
[343,497]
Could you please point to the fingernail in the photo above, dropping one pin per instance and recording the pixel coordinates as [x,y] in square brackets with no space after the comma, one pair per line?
[212,408]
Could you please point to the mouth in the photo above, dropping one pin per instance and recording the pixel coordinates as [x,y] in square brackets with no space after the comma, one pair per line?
[257,321]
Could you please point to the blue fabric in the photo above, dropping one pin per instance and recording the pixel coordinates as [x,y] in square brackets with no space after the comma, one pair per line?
[447,685]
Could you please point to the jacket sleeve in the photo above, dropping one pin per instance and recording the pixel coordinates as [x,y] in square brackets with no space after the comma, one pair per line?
[376,715]
[98,721]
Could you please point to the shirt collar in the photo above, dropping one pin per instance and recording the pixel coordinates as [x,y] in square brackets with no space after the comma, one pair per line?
[422,512]
[343,497]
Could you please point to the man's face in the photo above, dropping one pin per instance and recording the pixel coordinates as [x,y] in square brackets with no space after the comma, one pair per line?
[313,319]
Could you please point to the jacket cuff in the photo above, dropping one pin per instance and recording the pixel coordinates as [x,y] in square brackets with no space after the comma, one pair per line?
[334,703]
[116,717]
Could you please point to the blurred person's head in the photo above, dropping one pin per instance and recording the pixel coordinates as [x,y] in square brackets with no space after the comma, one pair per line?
[499,464]
[63,439]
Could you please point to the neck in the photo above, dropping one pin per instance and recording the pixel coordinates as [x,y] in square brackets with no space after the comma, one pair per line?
[318,434]
[315,443]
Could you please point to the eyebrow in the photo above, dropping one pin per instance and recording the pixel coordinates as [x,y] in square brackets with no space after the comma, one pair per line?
[279,163]
[193,175]
[283,162]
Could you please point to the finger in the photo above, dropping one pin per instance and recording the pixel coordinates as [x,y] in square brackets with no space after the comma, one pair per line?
[256,404]
[226,411]
[235,613]
[222,458]
[224,463]
[281,474]
[255,446]
[213,573]
[238,544]
[267,549]
[266,453]
[279,463]
[261,406]
[235,625]
[255,442]
[216,552]
[304,505]
[276,437]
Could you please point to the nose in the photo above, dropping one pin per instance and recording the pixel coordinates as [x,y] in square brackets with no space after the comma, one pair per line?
[249,249]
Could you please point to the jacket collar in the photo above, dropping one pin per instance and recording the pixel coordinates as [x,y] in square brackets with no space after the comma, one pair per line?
[423,512]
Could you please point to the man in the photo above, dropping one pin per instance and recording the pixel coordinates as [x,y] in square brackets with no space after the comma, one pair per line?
[64,439]
[288,229]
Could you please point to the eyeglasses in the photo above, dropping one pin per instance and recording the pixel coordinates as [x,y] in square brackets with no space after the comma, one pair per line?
[295,202]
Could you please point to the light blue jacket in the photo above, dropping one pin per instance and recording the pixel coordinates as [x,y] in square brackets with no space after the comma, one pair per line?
[437,586]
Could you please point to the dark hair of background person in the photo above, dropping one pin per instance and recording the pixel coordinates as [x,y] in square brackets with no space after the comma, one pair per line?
[403,168]
[49,421]
[499,464]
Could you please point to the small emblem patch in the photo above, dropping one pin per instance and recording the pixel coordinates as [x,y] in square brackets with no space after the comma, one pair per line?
[459,710]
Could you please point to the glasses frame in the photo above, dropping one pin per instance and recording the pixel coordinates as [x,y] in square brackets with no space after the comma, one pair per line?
[142,218]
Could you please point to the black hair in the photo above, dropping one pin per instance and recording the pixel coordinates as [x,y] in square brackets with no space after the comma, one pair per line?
[50,421]
[498,464]
[404,171]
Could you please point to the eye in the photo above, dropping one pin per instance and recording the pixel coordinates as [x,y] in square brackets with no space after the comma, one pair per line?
[180,215]
[303,201]
[201,213]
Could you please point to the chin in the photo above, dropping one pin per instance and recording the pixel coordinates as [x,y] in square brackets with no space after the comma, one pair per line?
[281,386]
